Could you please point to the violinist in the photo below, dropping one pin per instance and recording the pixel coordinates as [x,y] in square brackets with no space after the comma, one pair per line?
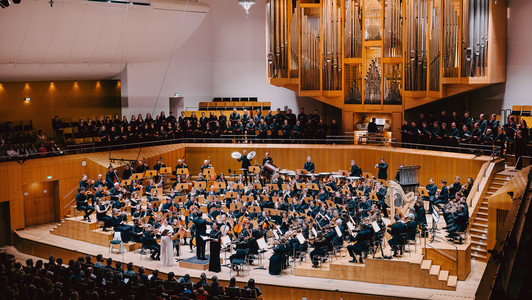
[99,182]
[111,177]
[83,205]
[284,222]
[168,206]
[397,230]
[101,213]
[320,248]
[278,259]
[99,193]
[360,242]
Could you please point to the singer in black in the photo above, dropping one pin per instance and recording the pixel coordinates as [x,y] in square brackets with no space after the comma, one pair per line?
[215,239]
[200,229]
[245,165]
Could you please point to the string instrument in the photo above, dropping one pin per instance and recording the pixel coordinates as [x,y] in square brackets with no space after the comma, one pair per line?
[240,225]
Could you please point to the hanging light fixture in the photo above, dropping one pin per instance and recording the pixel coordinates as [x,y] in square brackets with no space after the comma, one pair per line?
[246,4]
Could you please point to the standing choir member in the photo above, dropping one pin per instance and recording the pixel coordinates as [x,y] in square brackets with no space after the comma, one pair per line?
[215,239]
[167,246]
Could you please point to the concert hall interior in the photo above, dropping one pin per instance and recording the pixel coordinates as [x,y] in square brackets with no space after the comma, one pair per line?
[265,149]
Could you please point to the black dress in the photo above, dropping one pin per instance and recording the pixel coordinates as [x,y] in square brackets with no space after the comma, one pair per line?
[214,260]
[278,259]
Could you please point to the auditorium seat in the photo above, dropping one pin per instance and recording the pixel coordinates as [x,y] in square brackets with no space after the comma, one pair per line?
[525,111]
[516,110]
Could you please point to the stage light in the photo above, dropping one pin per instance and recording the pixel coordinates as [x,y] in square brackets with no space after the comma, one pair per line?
[27,99]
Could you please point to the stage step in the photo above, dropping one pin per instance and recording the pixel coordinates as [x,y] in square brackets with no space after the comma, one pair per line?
[481,231]
[425,265]
[479,244]
[483,214]
[480,225]
[452,281]
[478,256]
[481,220]
[434,270]
[480,237]
[444,275]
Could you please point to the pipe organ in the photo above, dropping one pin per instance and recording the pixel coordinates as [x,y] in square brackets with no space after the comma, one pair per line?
[377,52]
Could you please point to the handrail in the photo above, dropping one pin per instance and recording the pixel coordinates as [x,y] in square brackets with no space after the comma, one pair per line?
[455,260]
[329,139]
[516,162]
[75,188]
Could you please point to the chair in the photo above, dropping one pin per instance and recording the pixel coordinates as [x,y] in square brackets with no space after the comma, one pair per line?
[526,110]
[117,241]
[239,260]
[516,110]
[232,292]
[248,294]
[318,258]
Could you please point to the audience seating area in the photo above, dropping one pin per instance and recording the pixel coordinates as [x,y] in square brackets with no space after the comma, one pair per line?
[238,103]
[102,278]
[19,141]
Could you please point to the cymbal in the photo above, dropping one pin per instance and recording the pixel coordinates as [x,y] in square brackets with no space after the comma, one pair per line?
[236,155]
[251,155]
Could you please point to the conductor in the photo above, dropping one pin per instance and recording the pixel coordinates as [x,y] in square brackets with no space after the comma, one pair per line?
[245,165]
[200,229]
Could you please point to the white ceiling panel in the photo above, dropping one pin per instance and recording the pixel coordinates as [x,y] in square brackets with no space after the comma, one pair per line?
[85,33]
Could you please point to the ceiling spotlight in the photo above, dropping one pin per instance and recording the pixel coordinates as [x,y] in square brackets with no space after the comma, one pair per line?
[51,3]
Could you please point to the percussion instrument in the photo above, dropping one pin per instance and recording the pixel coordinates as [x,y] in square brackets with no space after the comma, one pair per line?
[354,178]
[269,169]
[251,155]
[236,155]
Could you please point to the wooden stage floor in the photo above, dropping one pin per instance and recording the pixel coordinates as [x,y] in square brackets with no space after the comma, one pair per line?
[39,241]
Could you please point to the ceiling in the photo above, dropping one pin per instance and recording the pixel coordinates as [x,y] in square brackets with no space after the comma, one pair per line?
[87,40]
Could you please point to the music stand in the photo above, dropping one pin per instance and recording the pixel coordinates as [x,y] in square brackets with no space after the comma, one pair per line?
[150,173]
[329,189]
[254,169]
[200,185]
[263,246]
[257,186]
[360,193]
[423,191]
[373,196]
[300,186]
[165,170]
[238,186]
[301,171]
[182,171]
[219,185]
[312,186]
[435,219]
[209,173]
[181,199]
[254,209]
[125,182]
[136,176]
[273,187]
[235,206]
[382,182]
[231,195]
[181,186]
[367,175]
[247,198]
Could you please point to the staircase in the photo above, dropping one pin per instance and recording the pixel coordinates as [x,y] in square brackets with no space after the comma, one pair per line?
[435,277]
[479,219]
[78,229]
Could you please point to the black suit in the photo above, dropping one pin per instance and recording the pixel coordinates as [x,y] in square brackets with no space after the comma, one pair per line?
[396,231]
[200,229]
[245,165]
[309,166]
[355,171]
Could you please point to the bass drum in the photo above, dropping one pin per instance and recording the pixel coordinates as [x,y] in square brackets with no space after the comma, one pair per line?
[269,169]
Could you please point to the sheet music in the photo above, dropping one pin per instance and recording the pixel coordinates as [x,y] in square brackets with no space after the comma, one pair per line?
[386,222]
[226,240]
[338,232]
[350,225]
[300,238]
[376,226]
[276,235]
[314,232]
[262,244]
[204,237]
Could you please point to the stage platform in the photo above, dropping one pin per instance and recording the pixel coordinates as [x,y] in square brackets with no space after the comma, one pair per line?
[338,280]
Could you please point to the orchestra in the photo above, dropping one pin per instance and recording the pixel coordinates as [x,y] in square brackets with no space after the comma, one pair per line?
[291,212]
